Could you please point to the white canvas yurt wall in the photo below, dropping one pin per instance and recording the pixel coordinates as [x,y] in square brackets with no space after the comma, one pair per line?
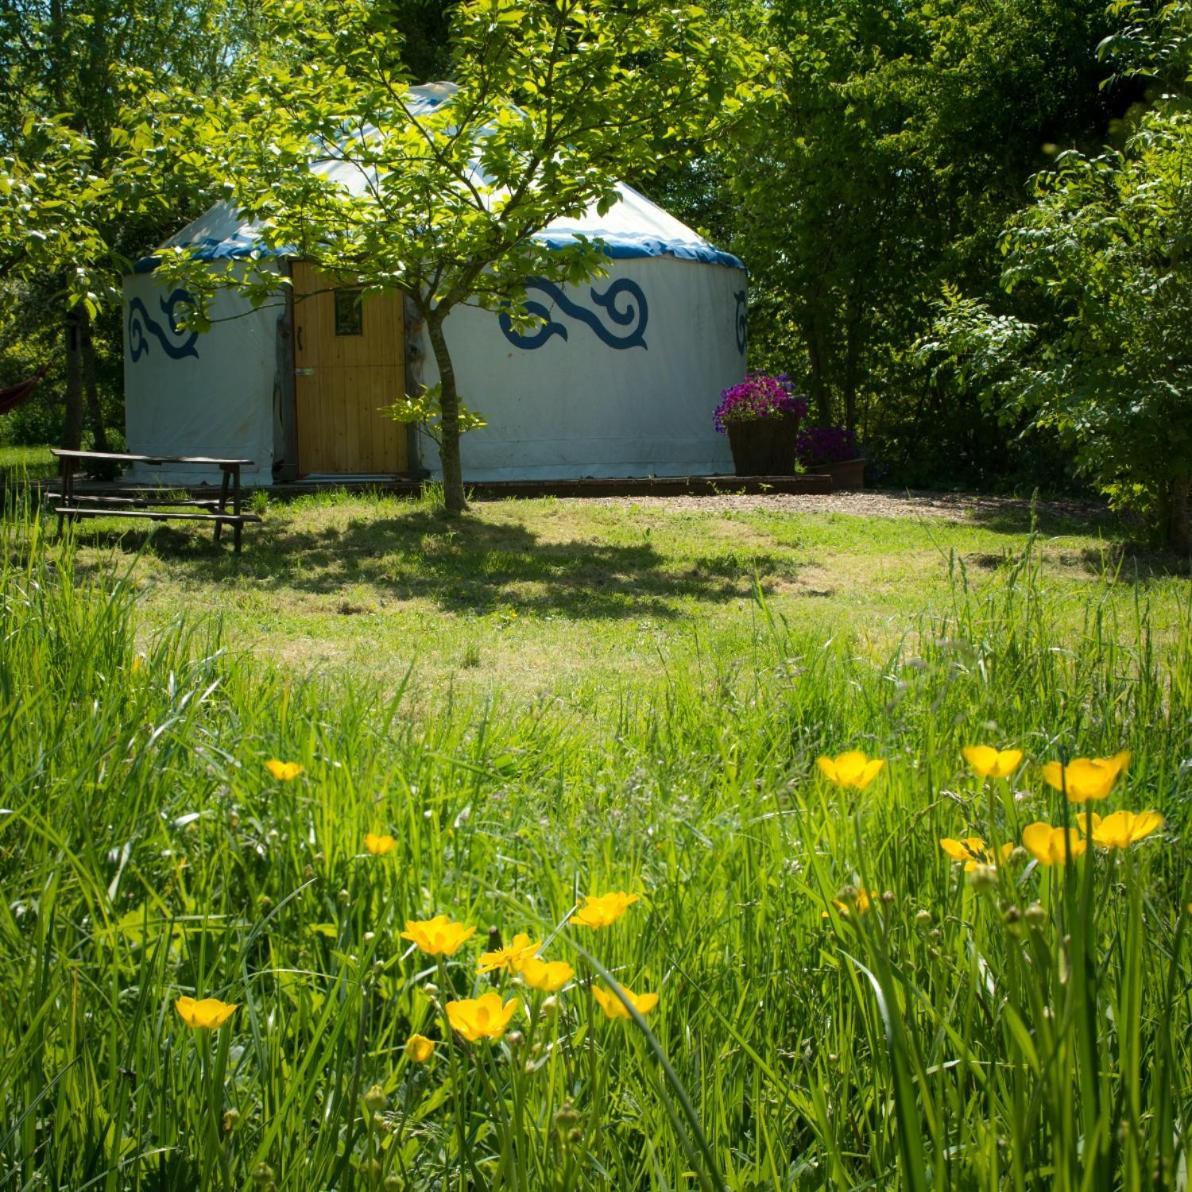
[621,379]
[588,396]
[213,394]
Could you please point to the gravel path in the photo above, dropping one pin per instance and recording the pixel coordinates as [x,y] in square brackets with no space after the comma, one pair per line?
[872,503]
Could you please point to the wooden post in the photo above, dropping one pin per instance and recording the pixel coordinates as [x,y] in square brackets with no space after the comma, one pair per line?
[223,497]
[238,528]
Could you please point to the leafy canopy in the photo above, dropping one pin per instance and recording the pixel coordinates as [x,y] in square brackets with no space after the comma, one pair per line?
[339,163]
[1105,252]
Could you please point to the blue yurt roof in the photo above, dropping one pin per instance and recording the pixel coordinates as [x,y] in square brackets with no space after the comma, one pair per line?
[632,227]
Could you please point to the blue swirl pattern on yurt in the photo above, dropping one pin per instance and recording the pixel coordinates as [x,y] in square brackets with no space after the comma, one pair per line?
[634,315]
[742,322]
[139,322]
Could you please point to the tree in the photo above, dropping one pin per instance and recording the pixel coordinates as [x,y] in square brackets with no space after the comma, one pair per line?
[1102,261]
[554,100]
[76,197]
[902,142]
[1107,248]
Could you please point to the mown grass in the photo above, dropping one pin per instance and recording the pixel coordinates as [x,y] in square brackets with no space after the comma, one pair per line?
[548,596]
[1028,1030]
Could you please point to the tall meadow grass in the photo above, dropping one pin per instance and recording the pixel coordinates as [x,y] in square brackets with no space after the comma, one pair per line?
[839,1003]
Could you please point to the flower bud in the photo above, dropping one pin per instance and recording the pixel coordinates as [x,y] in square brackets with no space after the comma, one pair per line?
[375,1099]
[263,1177]
[419,1049]
[983,877]
[923,918]
[369,936]
[566,1115]
[1036,916]
[343,898]
[230,1118]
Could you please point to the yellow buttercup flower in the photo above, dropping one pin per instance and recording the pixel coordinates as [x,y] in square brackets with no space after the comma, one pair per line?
[1051,846]
[419,1049]
[481,1017]
[512,957]
[283,771]
[1124,828]
[1087,778]
[547,975]
[973,851]
[992,763]
[439,936]
[207,1014]
[602,910]
[379,845]
[850,769]
[860,901]
[613,1007]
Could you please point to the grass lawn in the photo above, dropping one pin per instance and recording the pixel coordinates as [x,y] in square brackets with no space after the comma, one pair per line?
[904,971]
[555,595]
[18,464]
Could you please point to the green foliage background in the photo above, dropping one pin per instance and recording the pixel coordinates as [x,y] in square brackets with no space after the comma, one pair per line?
[897,145]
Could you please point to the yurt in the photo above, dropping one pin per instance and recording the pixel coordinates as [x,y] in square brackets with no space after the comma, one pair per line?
[620,379]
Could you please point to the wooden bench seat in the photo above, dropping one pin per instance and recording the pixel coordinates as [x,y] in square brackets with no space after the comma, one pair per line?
[156,515]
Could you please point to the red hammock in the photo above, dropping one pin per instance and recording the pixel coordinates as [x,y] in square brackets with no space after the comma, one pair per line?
[14,395]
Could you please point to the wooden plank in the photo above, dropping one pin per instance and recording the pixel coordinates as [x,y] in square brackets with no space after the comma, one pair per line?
[76,511]
[124,457]
[139,502]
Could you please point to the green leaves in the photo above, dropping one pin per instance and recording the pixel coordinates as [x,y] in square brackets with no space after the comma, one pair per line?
[1102,257]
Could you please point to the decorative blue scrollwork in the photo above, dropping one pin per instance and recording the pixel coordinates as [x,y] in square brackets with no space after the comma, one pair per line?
[139,323]
[634,315]
[742,322]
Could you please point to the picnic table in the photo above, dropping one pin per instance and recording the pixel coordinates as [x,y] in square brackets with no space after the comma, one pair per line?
[154,506]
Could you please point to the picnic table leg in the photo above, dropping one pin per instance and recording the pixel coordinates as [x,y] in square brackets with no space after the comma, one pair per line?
[223,499]
[238,528]
[66,472]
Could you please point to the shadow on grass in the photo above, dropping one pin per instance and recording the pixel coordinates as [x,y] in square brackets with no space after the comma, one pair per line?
[463,565]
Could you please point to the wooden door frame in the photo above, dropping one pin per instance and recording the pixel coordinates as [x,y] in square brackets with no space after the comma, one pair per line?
[287,388]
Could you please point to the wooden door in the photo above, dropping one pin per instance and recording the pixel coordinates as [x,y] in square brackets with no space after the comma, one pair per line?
[349,360]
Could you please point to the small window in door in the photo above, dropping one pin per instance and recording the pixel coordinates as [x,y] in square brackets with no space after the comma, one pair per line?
[349,312]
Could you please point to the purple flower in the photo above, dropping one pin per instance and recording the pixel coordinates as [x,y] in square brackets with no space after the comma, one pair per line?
[825,445]
[758,396]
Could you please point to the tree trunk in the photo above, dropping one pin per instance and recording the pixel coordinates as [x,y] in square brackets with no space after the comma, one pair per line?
[453,477]
[819,385]
[1179,515]
[72,423]
[854,331]
[94,409]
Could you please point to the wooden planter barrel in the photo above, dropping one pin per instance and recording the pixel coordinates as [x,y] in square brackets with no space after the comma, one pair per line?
[845,473]
[764,446]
